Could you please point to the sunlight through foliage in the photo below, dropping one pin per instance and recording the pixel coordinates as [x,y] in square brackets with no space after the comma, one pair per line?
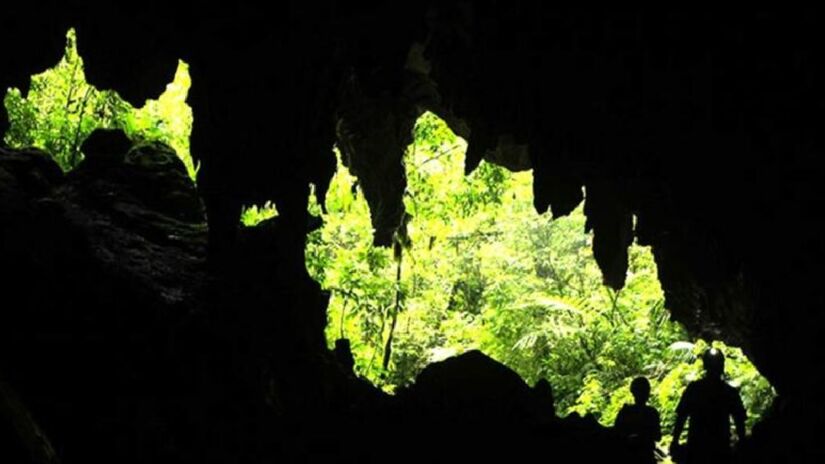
[485,271]
[61,109]
[253,215]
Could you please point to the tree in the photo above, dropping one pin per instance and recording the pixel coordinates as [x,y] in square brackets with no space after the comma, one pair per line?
[61,109]
[484,270]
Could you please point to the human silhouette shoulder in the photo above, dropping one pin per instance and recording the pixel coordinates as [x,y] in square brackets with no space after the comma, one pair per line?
[639,422]
[709,403]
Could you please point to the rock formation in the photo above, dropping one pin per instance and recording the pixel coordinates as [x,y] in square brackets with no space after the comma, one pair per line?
[696,132]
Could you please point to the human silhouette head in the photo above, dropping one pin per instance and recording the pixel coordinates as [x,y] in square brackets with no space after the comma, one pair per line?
[543,387]
[714,362]
[543,392]
[343,353]
[640,387]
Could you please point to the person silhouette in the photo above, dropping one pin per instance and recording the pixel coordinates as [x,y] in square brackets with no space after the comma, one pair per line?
[343,354]
[709,403]
[544,400]
[639,423]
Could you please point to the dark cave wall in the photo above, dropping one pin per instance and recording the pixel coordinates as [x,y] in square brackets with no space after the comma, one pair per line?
[704,126]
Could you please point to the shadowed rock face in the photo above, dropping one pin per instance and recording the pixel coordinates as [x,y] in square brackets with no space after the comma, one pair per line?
[706,128]
[96,278]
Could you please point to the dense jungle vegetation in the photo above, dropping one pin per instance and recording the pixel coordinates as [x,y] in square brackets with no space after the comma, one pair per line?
[61,109]
[484,271]
[481,269]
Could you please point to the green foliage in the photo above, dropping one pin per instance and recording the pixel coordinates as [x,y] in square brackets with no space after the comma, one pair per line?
[484,270]
[167,119]
[253,215]
[61,109]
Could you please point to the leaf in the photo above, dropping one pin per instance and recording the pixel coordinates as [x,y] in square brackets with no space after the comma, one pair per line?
[681,346]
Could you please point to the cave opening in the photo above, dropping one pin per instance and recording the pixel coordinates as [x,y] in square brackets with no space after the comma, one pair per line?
[474,267]
[59,110]
[755,290]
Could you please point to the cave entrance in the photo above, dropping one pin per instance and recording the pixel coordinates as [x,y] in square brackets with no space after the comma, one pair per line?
[61,109]
[482,270]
